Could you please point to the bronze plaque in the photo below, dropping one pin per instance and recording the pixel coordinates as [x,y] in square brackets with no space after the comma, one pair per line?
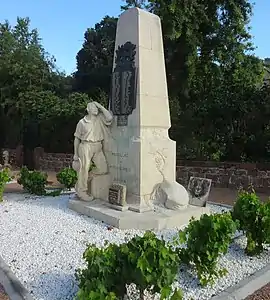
[117,194]
[124,83]
[199,189]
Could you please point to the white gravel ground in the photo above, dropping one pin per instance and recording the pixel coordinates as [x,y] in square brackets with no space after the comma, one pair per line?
[43,242]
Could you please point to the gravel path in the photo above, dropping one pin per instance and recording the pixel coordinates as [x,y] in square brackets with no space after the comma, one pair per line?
[44,242]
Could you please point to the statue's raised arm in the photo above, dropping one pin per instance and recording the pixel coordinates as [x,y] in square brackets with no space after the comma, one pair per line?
[88,146]
[108,117]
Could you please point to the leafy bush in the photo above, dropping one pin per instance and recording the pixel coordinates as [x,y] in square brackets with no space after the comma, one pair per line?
[206,239]
[102,279]
[33,181]
[67,177]
[144,261]
[253,218]
[4,178]
[151,265]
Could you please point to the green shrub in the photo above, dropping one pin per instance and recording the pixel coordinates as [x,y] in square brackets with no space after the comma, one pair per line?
[67,177]
[144,261]
[33,181]
[92,167]
[253,218]
[151,265]
[102,278]
[206,239]
[4,178]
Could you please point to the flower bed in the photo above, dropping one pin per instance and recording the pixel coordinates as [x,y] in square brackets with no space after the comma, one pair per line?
[43,243]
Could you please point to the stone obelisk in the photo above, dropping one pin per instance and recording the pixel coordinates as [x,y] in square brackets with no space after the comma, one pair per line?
[141,154]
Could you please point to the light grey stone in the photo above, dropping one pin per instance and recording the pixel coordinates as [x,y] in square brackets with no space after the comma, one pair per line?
[162,219]
[89,138]
[139,153]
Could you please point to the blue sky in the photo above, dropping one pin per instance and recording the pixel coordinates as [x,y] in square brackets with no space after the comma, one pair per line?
[62,23]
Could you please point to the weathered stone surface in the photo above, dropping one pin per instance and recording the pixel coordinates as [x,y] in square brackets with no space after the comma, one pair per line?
[141,153]
[227,175]
[165,218]
[99,186]
[90,137]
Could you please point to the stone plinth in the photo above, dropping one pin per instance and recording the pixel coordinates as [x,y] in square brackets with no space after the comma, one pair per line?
[99,186]
[160,219]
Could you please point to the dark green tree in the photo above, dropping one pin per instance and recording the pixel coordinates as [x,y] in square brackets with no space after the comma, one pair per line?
[95,59]
[30,86]
[212,78]
[209,31]
[24,65]
[135,3]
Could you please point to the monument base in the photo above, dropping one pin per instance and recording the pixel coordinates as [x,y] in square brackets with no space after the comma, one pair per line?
[99,186]
[157,219]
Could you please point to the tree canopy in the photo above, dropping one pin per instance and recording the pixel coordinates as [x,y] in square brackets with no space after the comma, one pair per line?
[32,90]
[219,104]
[95,59]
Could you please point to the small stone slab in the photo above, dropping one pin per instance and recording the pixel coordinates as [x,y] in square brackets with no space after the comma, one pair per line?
[117,194]
[198,190]
[118,207]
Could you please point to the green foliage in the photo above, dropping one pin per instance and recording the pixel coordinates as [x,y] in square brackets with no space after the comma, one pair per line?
[102,278]
[54,193]
[253,218]
[206,239]
[151,264]
[23,64]
[33,181]
[145,261]
[213,78]
[135,3]
[219,110]
[55,117]
[92,167]
[95,59]
[4,178]
[24,67]
[67,177]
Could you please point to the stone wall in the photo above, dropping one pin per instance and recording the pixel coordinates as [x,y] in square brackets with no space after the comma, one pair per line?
[227,175]
[43,160]
[51,161]
[223,174]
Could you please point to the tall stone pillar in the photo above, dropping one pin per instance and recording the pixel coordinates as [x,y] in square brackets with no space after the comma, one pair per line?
[141,153]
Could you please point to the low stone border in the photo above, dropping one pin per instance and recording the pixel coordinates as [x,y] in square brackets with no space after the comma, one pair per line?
[247,286]
[12,286]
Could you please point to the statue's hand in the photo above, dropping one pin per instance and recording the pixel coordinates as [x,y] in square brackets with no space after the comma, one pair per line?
[75,157]
[98,105]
